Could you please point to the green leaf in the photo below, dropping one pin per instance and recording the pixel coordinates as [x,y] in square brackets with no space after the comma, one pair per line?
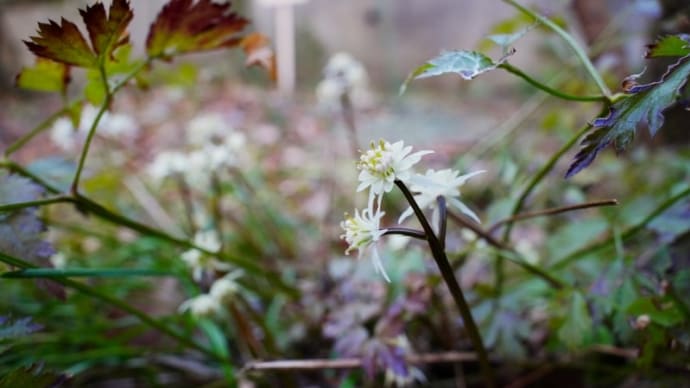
[62,43]
[118,64]
[644,104]
[185,26]
[107,33]
[669,46]
[667,316]
[578,324]
[45,76]
[467,64]
[30,377]
[82,272]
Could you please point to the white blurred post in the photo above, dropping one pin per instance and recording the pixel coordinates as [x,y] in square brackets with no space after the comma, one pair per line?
[284,25]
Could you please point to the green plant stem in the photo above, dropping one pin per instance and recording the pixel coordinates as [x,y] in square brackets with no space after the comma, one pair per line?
[627,234]
[554,92]
[418,234]
[143,317]
[18,169]
[504,251]
[584,58]
[104,107]
[449,277]
[536,179]
[38,202]
[442,220]
[19,143]
[551,211]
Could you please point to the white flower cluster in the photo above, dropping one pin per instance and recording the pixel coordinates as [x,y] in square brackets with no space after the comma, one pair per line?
[214,145]
[201,262]
[212,304]
[344,75]
[112,125]
[380,167]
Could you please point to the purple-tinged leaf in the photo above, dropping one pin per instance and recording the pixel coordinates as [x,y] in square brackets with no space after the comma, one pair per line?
[21,230]
[62,43]
[644,104]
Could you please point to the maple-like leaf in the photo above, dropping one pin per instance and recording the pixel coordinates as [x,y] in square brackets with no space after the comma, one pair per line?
[21,230]
[62,43]
[644,104]
[185,26]
[65,44]
[107,32]
[466,64]
[669,46]
[45,76]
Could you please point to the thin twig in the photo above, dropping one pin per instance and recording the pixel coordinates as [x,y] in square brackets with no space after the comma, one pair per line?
[351,363]
[551,211]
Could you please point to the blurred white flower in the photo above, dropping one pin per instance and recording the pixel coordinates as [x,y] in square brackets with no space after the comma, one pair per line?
[382,164]
[201,262]
[443,183]
[207,128]
[362,233]
[225,288]
[63,134]
[112,125]
[202,306]
[166,164]
[58,260]
[343,74]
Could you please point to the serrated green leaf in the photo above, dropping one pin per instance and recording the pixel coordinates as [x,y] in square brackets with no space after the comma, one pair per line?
[62,43]
[45,76]
[107,32]
[669,46]
[644,104]
[577,325]
[185,26]
[466,64]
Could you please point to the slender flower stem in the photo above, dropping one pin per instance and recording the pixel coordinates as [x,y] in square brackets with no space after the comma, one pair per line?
[551,211]
[627,234]
[449,277]
[19,143]
[504,251]
[418,234]
[536,179]
[442,220]
[21,170]
[571,42]
[145,318]
[38,202]
[554,92]
[186,195]
[349,118]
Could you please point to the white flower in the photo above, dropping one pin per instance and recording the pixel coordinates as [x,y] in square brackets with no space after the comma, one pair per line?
[382,164]
[343,74]
[166,164]
[203,305]
[225,288]
[201,262]
[58,260]
[434,184]
[207,128]
[362,233]
[63,134]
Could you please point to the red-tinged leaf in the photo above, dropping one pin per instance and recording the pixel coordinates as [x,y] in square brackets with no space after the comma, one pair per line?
[107,32]
[185,26]
[45,76]
[257,48]
[62,43]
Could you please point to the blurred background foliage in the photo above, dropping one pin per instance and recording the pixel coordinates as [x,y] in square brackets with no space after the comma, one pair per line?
[279,190]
